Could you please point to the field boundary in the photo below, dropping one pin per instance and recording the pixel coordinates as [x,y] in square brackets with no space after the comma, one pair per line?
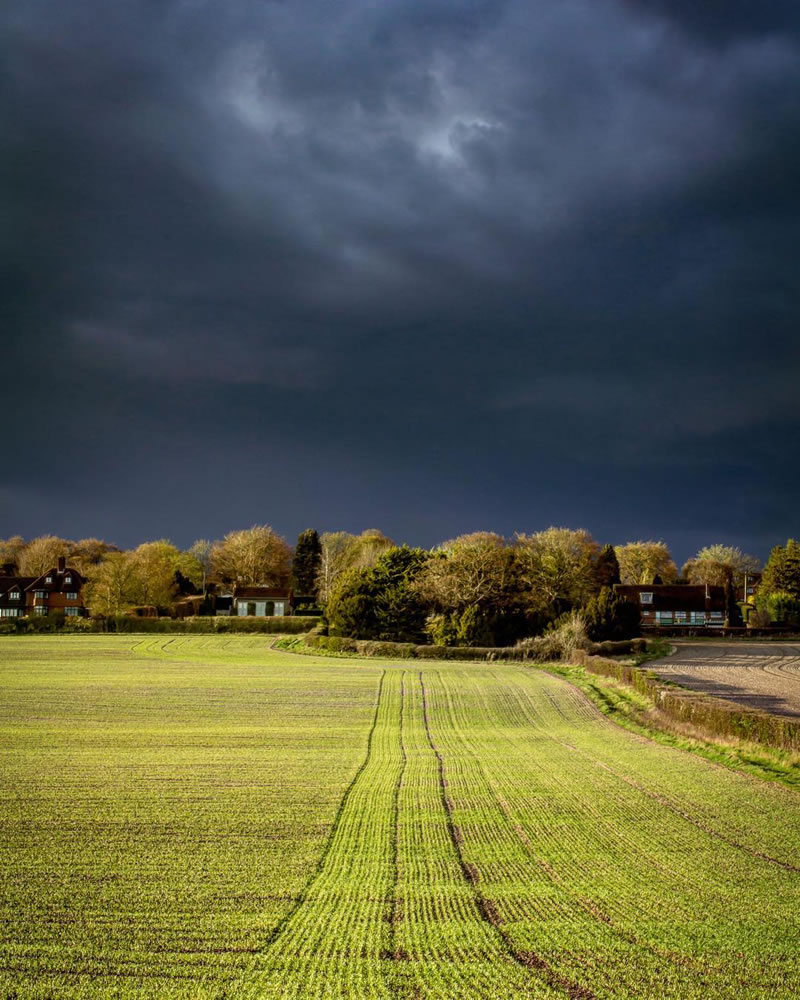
[715,715]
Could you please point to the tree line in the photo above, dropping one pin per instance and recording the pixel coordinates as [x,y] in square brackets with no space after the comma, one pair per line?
[477,589]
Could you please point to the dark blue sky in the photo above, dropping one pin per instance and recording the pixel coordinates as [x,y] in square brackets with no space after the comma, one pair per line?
[429,267]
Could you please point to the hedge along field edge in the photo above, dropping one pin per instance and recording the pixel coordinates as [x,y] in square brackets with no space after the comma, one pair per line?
[130,625]
[723,718]
[344,646]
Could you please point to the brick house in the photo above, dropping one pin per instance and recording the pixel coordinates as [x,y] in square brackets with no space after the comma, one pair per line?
[12,592]
[57,591]
[676,604]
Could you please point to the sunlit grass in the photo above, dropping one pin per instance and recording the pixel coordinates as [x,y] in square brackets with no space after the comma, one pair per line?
[206,817]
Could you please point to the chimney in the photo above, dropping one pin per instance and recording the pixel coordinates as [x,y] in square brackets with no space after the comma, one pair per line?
[9,569]
[62,564]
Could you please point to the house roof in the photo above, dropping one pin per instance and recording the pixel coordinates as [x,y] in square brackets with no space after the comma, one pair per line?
[674,597]
[263,593]
[8,583]
[57,582]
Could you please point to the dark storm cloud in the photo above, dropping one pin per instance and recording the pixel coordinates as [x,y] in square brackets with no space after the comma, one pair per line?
[725,20]
[504,257]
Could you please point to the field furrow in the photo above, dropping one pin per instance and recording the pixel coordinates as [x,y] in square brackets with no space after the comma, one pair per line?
[199,818]
[336,938]
[588,870]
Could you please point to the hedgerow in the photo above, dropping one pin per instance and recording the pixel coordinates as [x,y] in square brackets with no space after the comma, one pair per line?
[725,718]
[129,624]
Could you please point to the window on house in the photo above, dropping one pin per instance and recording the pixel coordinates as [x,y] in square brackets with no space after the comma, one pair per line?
[72,612]
[67,579]
[14,595]
[646,597]
[71,595]
[40,594]
[48,579]
[9,612]
[40,611]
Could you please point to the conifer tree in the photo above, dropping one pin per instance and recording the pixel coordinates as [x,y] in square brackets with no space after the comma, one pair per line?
[306,562]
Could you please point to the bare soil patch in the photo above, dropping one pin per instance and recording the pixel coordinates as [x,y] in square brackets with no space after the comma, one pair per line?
[761,675]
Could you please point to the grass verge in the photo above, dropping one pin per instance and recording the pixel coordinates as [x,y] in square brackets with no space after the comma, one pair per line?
[636,712]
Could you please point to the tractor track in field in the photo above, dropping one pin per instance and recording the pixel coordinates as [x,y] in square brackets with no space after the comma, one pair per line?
[301,899]
[710,830]
[487,908]
[663,801]
[395,907]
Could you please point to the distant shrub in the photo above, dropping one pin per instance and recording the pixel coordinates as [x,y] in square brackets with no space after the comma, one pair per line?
[560,641]
[783,607]
[622,646]
[431,652]
[340,644]
[376,647]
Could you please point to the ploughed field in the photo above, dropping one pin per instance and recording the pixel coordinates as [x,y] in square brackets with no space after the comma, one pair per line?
[763,675]
[203,817]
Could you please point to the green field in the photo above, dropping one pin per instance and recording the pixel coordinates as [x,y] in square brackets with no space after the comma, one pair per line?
[203,817]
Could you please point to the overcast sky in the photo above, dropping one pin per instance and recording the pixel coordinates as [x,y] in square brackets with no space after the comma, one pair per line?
[430,267]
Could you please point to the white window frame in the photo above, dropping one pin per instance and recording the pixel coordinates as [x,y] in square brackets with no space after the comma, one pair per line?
[646,597]
[48,579]
[71,595]
[14,595]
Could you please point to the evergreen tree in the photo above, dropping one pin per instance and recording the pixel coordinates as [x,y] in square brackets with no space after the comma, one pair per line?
[607,567]
[782,572]
[306,563]
[382,602]
[608,616]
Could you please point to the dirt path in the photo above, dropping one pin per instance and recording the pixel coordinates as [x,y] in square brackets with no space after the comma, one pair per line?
[761,675]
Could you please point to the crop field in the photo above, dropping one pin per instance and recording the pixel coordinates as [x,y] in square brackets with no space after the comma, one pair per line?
[761,675]
[203,817]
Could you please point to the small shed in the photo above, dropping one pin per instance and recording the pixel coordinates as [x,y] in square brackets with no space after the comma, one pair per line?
[262,602]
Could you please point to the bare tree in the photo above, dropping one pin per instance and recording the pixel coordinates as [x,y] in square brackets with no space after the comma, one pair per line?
[89,552]
[341,551]
[720,566]
[557,569]
[11,550]
[255,556]
[200,551]
[42,554]
[474,570]
[642,562]
[112,585]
